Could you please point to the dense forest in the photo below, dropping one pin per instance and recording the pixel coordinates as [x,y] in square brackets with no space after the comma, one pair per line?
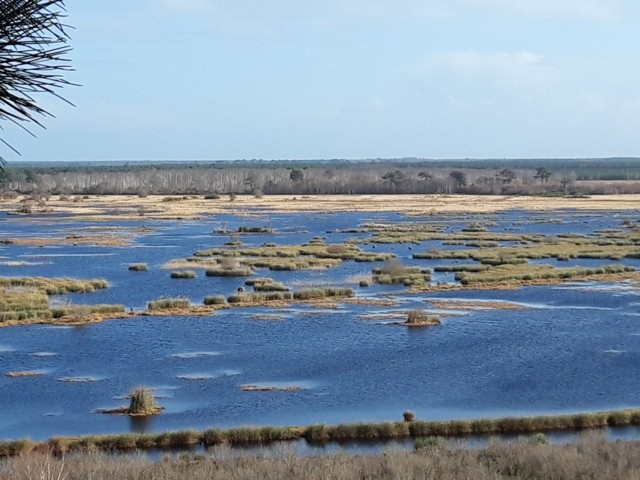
[371,176]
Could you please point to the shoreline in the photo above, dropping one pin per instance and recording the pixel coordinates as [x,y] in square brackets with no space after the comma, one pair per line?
[323,433]
[132,207]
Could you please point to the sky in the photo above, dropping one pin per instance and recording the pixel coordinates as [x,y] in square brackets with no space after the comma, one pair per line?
[308,79]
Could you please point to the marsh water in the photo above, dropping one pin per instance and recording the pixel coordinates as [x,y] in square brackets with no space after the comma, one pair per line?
[575,347]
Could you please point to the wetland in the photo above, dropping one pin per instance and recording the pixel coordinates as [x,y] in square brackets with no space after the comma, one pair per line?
[253,315]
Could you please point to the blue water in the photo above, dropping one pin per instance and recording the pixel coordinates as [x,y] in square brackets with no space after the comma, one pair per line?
[576,347]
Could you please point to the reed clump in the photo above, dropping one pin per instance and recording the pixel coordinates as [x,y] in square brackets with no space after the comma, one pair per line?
[214,300]
[258,298]
[258,281]
[420,318]
[270,287]
[54,286]
[142,401]
[536,273]
[393,272]
[231,272]
[319,293]
[169,304]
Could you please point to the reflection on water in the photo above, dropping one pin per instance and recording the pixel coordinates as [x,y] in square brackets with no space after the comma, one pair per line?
[141,424]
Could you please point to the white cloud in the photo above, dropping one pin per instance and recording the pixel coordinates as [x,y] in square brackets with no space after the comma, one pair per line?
[517,72]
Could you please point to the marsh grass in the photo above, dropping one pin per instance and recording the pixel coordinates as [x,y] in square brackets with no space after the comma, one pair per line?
[54,286]
[322,433]
[214,300]
[523,273]
[433,457]
[270,287]
[142,401]
[420,318]
[221,272]
[318,293]
[393,272]
[168,304]
[303,256]
[26,299]
[258,298]
[258,281]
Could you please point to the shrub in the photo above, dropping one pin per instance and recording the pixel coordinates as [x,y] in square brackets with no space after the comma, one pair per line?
[214,196]
[409,416]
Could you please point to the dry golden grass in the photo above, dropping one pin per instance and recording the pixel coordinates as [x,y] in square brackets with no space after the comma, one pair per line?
[590,458]
[115,240]
[442,304]
[269,388]
[25,373]
[132,207]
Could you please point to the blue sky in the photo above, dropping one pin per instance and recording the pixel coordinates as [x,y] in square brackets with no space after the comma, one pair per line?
[293,79]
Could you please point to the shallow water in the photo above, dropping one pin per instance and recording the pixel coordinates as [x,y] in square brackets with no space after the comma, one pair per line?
[576,348]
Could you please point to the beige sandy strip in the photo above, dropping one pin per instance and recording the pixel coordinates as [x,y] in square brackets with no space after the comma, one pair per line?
[152,207]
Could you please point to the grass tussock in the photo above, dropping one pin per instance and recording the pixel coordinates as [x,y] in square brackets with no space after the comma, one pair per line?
[420,318]
[270,287]
[393,272]
[509,273]
[214,300]
[54,286]
[232,272]
[319,293]
[142,401]
[169,304]
[259,298]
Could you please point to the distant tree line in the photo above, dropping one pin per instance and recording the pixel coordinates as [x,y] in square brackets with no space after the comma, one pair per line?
[516,177]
